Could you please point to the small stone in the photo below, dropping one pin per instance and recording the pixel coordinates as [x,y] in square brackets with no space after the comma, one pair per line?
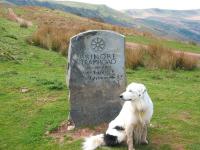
[24,90]
[47,133]
[70,128]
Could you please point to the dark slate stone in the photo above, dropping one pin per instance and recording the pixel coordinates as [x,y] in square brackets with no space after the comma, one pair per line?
[96,76]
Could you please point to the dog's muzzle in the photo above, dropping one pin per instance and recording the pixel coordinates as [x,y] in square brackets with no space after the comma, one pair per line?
[122,98]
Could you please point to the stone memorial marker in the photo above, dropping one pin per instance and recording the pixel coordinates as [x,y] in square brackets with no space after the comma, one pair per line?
[96,76]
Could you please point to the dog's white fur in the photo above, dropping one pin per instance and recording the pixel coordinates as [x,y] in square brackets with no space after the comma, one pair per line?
[134,117]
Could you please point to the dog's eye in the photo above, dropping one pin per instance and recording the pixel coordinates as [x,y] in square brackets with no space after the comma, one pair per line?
[130,91]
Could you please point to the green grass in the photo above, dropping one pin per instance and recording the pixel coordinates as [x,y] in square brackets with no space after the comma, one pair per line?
[139,39]
[177,45]
[26,117]
[182,46]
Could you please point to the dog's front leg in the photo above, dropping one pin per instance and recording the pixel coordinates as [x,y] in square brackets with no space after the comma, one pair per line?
[129,133]
[144,135]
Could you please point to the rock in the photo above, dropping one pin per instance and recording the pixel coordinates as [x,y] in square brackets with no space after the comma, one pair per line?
[24,90]
[96,76]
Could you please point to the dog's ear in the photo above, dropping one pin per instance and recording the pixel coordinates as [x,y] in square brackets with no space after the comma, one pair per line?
[142,91]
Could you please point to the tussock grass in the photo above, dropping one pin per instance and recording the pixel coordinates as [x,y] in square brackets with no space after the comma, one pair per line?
[56,37]
[24,24]
[55,28]
[51,38]
[160,57]
[186,62]
[134,57]
[155,56]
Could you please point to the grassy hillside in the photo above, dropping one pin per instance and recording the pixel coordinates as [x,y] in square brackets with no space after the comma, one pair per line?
[33,98]
[97,12]
[46,16]
[56,27]
[75,24]
[175,24]
[70,25]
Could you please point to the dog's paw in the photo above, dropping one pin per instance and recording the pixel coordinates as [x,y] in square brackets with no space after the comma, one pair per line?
[144,142]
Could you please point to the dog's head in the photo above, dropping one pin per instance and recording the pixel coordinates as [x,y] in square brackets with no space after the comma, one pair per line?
[134,92]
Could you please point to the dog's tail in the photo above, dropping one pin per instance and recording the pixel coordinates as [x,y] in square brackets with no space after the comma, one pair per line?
[93,142]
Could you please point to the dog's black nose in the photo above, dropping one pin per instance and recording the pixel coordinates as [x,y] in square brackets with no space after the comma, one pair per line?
[121,96]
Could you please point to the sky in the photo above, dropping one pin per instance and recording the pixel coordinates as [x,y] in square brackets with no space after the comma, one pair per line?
[142,4]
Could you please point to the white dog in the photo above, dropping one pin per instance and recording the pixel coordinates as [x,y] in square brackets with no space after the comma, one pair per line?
[131,123]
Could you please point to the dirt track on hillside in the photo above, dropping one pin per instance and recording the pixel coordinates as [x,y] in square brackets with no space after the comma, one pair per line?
[135,45]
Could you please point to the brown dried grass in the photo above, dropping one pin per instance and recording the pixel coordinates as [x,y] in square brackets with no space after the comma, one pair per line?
[56,37]
[134,57]
[155,56]
[160,57]
[186,62]
[51,38]
[55,29]
[24,24]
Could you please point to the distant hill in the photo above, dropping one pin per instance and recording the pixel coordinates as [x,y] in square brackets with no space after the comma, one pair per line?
[173,24]
[154,12]
[176,24]
[5,2]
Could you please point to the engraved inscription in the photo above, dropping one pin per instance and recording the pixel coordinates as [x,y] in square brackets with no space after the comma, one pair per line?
[99,66]
[98,59]
[101,73]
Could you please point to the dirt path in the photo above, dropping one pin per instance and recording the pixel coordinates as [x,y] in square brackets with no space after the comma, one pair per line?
[195,55]
[135,45]
[14,17]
